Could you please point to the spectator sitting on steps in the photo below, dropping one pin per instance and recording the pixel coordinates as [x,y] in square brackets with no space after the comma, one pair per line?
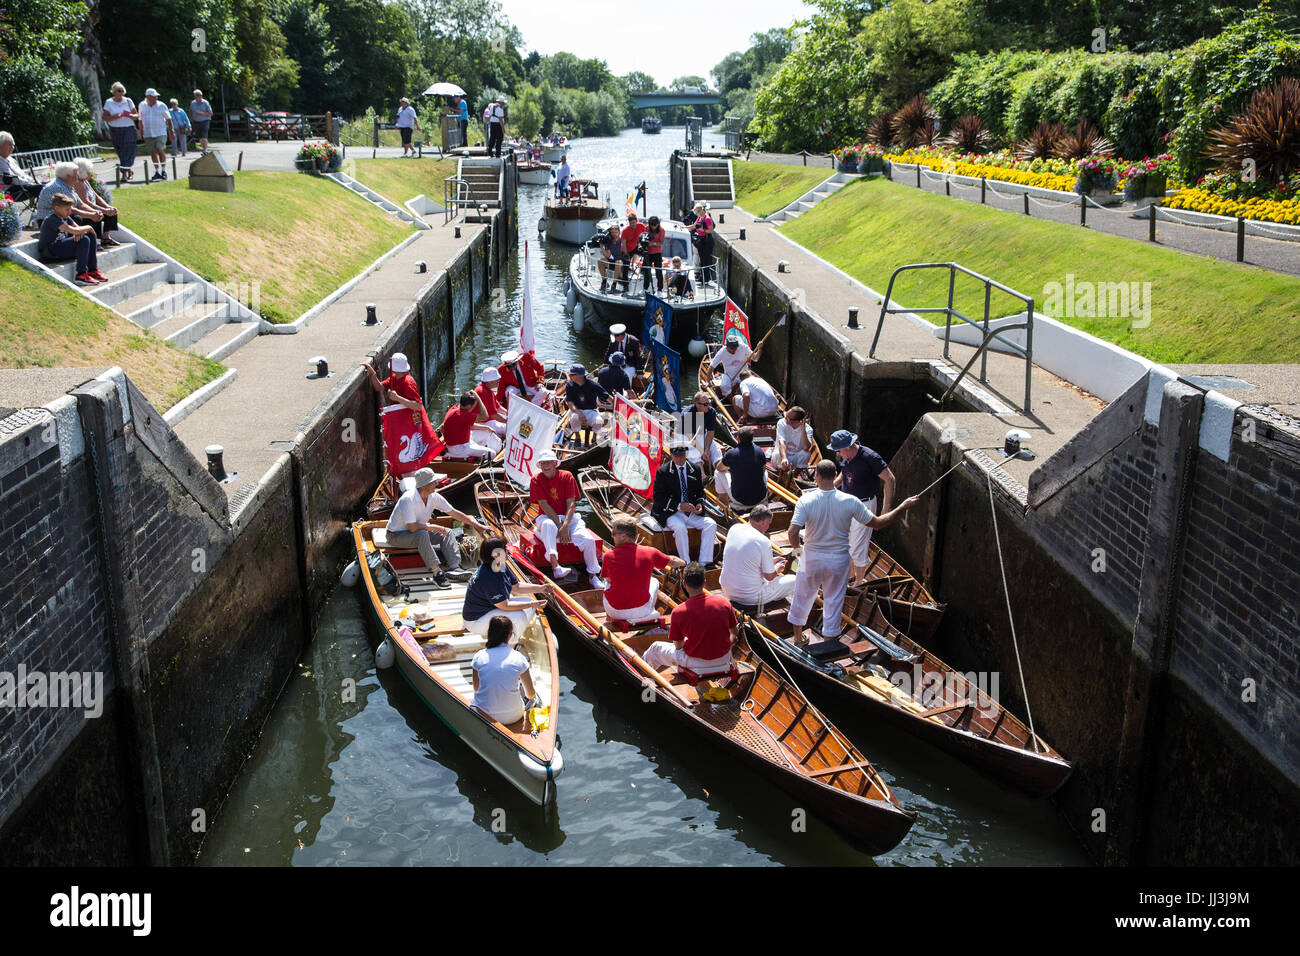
[61,238]
[88,198]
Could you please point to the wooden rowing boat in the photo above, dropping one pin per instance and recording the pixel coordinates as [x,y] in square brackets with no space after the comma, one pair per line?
[764,431]
[882,671]
[763,722]
[527,756]
[904,601]
[610,499]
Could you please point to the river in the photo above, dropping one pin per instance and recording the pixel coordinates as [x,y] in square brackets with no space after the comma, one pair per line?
[381,781]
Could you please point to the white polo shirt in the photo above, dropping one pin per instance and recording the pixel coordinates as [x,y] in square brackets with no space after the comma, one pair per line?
[412,508]
[762,400]
[119,110]
[406,117]
[746,557]
[153,119]
[731,362]
[827,517]
[795,438]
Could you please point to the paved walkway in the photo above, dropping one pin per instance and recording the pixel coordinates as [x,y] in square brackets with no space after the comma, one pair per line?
[1060,409]
[272,387]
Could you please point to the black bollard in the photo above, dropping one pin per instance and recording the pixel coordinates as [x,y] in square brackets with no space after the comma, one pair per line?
[458,232]
[421,266]
[853,318]
[742,235]
[371,317]
[216,468]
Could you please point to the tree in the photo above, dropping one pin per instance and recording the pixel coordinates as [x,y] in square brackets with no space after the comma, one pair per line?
[41,106]
[377,50]
[39,29]
[179,59]
[309,43]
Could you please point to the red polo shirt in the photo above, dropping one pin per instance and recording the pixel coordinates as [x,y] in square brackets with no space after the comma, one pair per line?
[458,423]
[557,491]
[703,624]
[630,235]
[403,385]
[627,568]
[489,398]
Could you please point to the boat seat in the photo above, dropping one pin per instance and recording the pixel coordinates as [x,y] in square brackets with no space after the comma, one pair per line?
[827,650]
[648,522]
[379,536]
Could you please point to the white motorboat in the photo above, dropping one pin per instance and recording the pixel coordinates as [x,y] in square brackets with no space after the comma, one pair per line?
[572,218]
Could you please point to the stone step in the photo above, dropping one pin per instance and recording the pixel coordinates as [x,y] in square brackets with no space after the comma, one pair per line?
[184,317]
[224,339]
[157,303]
[114,257]
[129,281]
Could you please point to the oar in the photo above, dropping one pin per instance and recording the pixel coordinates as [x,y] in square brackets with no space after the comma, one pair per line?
[606,633]
[750,357]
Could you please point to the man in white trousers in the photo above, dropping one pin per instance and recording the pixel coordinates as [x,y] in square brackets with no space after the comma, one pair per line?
[826,515]
[730,360]
[557,493]
[865,475]
[679,501]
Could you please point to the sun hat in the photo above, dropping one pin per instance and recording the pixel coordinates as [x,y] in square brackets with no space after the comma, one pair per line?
[399,363]
[546,456]
[577,370]
[490,374]
[509,358]
[617,358]
[425,476]
[842,439]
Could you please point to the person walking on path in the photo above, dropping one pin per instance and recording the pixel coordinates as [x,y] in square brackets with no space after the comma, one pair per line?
[862,474]
[200,118]
[180,128]
[121,116]
[495,119]
[407,123]
[156,130]
[828,514]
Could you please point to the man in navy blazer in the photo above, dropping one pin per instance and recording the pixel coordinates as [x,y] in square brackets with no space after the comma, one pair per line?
[679,502]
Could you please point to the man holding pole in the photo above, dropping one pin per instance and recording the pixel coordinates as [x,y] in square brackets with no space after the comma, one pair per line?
[828,515]
[862,474]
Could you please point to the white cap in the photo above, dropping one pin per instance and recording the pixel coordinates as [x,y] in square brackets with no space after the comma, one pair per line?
[617,329]
[151,92]
[399,363]
[490,374]
[510,357]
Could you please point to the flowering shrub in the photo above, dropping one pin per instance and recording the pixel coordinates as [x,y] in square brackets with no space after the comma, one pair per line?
[1161,165]
[10,226]
[321,155]
[1000,166]
[1258,207]
[1097,173]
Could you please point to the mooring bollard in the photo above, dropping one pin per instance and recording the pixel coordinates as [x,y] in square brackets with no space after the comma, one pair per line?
[1151,223]
[371,317]
[457,232]
[421,266]
[853,318]
[1241,239]
[1083,209]
[742,234]
[217,468]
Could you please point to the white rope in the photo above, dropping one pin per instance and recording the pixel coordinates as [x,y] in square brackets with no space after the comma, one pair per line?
[1163,213]
[1052,203]
[1257,227]
[1033,736]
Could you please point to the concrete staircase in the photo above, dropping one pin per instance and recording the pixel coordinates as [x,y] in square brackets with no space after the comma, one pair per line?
[387,205]
[158,294]
[483,174]
[710,181]
[811,198]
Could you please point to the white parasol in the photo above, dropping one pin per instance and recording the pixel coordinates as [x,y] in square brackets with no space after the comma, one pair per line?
[444,89]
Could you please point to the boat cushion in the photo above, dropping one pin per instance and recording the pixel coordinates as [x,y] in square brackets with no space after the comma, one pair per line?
[568,552]
[648,522]
[827,650]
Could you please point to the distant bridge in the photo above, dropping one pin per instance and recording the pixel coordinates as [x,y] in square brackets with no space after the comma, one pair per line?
[644,101]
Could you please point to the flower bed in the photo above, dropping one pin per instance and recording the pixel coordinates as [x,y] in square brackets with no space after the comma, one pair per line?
[1258,207]
[1044,174]
[10,226]
[318,156]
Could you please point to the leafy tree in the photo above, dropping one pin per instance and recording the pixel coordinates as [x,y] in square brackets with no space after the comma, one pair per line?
[177,60]
[309,43]
[41,106]
[376,50]
[39,29]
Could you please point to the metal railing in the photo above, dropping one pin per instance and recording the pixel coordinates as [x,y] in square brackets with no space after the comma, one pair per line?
[694,135]
[63,154]
[456,192]
[703,281]
[451,131]
[988,335]
[731,132]
[349,134]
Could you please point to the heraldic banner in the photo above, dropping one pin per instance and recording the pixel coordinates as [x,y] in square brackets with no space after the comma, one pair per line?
[409,440]
[666,365]
[529,431]
[637,447]
[735,321]
[658,320]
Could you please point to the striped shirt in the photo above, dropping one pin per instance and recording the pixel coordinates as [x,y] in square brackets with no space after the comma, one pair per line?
[826,517]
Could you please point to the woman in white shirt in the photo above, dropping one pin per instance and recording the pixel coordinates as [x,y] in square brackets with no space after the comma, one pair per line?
[499,672]
[120,114]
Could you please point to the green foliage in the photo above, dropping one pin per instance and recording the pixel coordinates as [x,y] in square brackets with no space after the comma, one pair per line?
[377,53]
[813,87]
[40,29]
[981,85]
[309,43]
[41,105]
[172,64]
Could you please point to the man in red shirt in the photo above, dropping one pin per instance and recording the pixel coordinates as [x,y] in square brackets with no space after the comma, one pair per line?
[486,390]
[629,238]
[458,431]
[628,567]
[399,387]
[701,630]
[520,375]
[557,493]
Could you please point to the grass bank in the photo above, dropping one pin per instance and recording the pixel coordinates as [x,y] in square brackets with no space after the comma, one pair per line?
[764,188]
[1200,309]
[402,179]
[298,237]
[43,325]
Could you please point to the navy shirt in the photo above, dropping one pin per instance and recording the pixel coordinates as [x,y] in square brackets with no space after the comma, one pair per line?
[584,396]
[49,233]
[613,379]
[748,473]
[486,590]
[861,476]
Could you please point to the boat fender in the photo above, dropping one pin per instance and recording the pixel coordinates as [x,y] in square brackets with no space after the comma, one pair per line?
[578,317]
[571,300]
[385,655]
[351,575]
[542,771]
[541,225]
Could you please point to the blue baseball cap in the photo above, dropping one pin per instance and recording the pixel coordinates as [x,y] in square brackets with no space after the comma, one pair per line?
[577,370]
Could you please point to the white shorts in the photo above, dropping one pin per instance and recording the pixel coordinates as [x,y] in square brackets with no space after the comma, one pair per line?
[799,459]
[662,653]
[860,539]
[636,615]
[584,418]
[519,620]
[471,449]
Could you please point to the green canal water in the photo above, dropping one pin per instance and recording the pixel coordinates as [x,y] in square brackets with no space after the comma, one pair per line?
[381,781]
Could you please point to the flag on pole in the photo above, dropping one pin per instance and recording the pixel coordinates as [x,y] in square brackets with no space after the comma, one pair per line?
[658,320]
[735,321]
[630,206]
[636,450]
[530,430]
[667,377]
[527,343]
[409,439]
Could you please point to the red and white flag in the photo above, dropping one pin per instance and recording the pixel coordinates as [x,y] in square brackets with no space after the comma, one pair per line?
[735,319]
[409,439]
[637,448]
[527,343]
[530,430]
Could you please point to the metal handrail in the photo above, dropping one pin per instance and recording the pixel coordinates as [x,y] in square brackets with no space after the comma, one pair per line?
[981,351]
[62,154]
[456,192]
[708,276]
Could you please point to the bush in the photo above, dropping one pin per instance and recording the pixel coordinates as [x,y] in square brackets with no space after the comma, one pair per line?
[981,85]
[42,106]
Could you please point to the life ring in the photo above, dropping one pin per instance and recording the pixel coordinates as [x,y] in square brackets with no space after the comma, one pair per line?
[578,318]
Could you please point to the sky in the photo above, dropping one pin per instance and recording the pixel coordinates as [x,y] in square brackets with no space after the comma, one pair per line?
[666,41]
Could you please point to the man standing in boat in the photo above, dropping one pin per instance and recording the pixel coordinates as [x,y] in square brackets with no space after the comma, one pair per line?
[562,174]
[828,515]
[628,567]
[679,502]
[556,492]
[631,238]
[862,474]
[409,526]
[615,377]
[399,388]
[732,359]
[623,341]
[701,630]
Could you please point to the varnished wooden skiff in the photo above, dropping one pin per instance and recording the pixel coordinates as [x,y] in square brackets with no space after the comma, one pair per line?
[528,758]
[765,723]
